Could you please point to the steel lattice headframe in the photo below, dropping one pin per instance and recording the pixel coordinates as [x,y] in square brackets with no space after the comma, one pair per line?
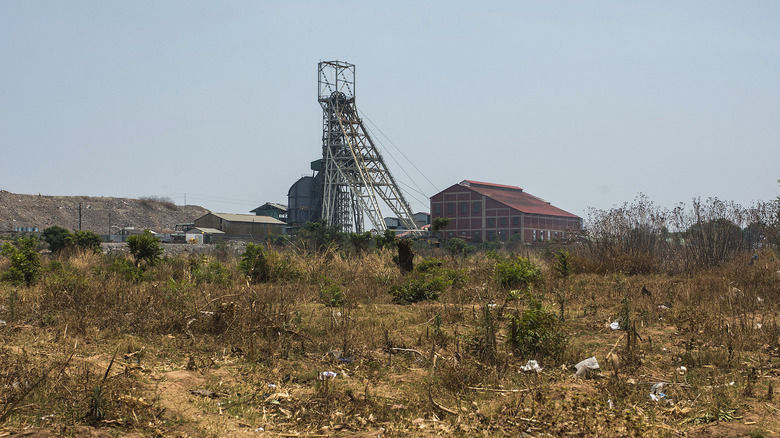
[356,180]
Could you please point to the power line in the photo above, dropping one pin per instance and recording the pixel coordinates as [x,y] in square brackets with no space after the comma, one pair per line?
[402,154]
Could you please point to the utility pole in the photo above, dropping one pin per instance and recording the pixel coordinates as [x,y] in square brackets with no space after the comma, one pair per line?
[79,216]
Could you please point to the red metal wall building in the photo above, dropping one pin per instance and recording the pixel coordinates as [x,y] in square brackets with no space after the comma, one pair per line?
[480,211]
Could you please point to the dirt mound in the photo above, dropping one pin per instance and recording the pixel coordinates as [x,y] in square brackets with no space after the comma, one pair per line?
[97,213]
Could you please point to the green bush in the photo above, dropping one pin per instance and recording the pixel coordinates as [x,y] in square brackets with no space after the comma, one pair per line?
[214,272]
[458,247]
[59,239]
[536,334]
[145,248]
[25,261]
[517,273]
[420,286]
[255,264]
[87,240]
[386,240]
[331,293]
[429,264]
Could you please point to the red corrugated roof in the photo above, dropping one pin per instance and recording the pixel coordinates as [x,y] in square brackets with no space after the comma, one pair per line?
[516,198]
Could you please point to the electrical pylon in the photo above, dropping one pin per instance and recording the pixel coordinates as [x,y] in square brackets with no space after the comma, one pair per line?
[356,180]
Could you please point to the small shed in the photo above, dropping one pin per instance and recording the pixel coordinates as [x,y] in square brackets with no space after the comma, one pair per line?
[242,226]
[201,235]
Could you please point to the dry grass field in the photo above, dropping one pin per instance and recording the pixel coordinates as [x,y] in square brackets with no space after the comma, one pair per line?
[319,347]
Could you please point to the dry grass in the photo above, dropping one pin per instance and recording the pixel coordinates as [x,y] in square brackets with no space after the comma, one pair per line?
[253,353]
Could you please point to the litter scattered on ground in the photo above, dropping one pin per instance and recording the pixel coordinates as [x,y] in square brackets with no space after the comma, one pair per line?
[615,326]
[586,365]
[656,392]
[327,375]
[531,365]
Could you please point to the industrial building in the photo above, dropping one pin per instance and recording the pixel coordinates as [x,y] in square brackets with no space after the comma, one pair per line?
[272,209]
[480,211]
[247,226]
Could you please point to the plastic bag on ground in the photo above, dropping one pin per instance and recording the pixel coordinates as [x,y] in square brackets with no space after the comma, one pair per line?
[531,365]
[586,365]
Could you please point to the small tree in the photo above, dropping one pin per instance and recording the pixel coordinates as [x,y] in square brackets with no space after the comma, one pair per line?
[87,240]
[25,261]
[58,238]
[439,224]
[145,248]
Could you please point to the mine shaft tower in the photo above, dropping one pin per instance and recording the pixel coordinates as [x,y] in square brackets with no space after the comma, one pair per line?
[356,181]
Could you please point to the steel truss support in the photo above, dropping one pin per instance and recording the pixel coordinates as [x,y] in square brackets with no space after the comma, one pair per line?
[356,180]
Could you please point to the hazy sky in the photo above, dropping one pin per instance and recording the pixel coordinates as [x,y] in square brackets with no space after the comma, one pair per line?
[585,104]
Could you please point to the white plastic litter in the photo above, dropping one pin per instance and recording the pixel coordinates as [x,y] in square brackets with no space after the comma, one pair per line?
[656,392]
[586,365]
[327,375]
[531,365]
[615,326]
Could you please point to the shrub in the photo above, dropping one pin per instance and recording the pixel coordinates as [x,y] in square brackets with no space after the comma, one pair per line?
[57,237]
[213,272]
[331,293]
[145,248]
[60,239]
[458,247]
[517,273]
[419,287]
[25,261]
[255,264]
[536,334]
[385,240]
[87,240]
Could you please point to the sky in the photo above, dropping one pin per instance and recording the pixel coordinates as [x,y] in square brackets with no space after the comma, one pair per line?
[214,103]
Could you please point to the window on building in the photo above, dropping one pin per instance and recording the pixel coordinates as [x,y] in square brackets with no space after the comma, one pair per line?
[450,208]
[450,233]
[476,236]
[502,235]
[491,222]
[477,206]
[516,221]
[491,235]
[502,221]
[437,209]
[534,234]
[464,208]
